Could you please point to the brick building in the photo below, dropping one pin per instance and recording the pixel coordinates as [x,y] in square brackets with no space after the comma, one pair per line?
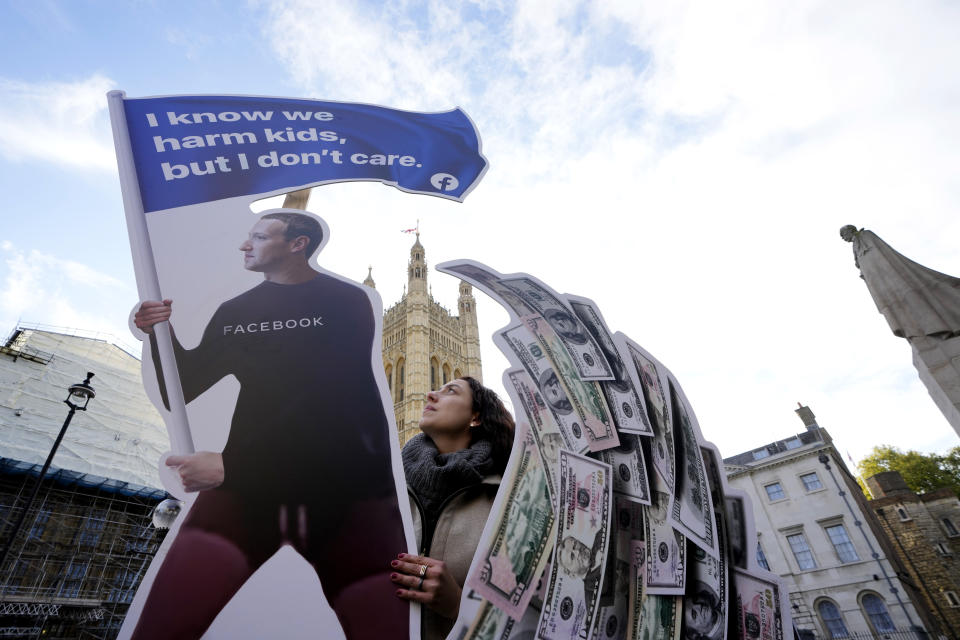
[925,529]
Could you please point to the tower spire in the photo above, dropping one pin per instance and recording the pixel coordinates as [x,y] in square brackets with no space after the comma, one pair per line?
[369,279]
[417,267]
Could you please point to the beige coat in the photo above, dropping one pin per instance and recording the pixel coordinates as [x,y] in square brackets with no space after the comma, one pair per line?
[454,541]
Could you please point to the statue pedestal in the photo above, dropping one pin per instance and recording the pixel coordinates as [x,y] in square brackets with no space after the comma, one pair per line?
[938,362]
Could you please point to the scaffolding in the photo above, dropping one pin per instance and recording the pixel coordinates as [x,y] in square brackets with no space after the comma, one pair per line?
[76,563]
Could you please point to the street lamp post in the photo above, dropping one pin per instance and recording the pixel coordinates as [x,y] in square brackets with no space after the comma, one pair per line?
[80,395]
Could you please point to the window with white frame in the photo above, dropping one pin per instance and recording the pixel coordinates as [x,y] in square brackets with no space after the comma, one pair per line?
[801,551]
[810,481]
[949,528]
[952,598]
[832,619]
[902,514]
[943,549]
[841,543]
[877,613]
[774,491]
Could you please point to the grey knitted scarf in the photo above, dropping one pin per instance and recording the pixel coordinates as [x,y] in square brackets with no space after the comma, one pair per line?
[433,476]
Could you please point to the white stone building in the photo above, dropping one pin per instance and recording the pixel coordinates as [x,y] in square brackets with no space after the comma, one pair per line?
[816,531]
[121,436]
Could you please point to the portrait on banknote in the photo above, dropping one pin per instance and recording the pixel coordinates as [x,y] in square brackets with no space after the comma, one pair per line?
[565,325]
[702,614]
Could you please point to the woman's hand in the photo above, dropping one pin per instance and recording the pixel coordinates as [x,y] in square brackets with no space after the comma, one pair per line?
[198,471]
[437,589]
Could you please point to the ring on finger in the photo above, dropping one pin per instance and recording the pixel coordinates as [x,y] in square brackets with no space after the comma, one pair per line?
[420,584]
[423,571]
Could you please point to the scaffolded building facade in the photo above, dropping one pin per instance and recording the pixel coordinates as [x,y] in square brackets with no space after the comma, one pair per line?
[76,562]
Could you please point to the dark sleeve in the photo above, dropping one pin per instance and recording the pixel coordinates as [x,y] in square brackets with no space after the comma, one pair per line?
[199,368]
[368,403]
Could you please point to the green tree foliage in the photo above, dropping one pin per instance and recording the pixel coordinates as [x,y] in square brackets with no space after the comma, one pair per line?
[923,472]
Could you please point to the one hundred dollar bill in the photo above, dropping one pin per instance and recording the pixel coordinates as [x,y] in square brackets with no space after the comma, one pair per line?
[637,589]
[589,359]
[666,549]
[611,622]
[734,521]
[543,425]
[583,527]
[629,468]
[585,396]
[512,560]
[712,462]
[567,409]
[651,616]
[526,297]
[757,609]
[663,457]
[705,600]
[627,523]
[625,401]
[692,505]
[742,544]
[490,282]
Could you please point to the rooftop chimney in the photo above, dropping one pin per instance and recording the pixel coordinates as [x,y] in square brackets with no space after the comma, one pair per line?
[809,420]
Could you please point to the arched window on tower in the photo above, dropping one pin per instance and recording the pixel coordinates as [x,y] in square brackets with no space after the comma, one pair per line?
[400,381]
[389,372]
[434,373]
[446,373]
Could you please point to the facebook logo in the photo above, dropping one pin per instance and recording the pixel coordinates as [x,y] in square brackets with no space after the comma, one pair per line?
[444,182]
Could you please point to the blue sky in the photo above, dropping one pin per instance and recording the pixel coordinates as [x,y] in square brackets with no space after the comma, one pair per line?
[688,166]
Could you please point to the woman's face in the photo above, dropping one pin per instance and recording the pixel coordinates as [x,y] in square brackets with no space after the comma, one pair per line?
[449,409]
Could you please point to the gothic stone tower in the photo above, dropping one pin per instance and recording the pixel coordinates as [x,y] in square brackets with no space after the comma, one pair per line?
[424,345]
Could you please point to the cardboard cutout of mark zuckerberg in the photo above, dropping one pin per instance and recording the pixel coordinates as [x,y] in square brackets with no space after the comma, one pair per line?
[307,459]
[266,367]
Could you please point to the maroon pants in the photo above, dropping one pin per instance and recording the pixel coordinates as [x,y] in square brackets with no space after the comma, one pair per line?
[225,539]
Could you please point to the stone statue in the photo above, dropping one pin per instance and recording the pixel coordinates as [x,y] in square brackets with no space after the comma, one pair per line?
[921,305]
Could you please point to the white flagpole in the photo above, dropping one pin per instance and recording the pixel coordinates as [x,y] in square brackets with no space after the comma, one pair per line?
[181,440]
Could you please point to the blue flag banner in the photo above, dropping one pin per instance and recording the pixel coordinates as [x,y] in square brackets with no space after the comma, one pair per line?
[192,149]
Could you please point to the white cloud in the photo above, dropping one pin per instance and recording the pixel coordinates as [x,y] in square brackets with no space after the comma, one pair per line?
[60,122]
[41,288]
[688,166]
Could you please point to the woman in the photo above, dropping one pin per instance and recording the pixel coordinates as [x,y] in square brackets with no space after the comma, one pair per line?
[453,470]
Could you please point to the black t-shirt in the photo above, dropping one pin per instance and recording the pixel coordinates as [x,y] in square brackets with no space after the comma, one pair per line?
[309,422]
